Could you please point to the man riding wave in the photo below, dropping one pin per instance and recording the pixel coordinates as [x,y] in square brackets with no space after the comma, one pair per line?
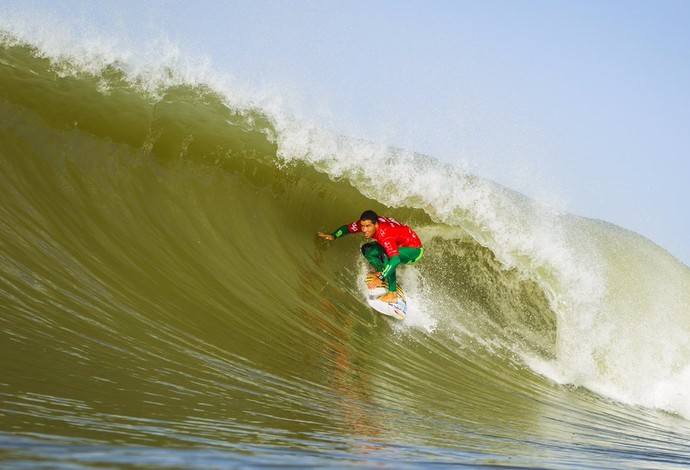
[394,244]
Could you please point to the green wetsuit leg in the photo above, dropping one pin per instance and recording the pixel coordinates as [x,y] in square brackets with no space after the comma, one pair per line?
[375,254]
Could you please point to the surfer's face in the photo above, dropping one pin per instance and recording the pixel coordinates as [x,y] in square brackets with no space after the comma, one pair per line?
[369,228]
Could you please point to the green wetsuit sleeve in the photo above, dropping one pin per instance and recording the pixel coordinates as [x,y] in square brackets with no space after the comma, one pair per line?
[341,232]
[390,267]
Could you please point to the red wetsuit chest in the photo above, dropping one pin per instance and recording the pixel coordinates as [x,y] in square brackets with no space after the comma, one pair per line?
[392,235]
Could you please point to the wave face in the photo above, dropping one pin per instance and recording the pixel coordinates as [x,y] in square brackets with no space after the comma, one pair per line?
[164,300]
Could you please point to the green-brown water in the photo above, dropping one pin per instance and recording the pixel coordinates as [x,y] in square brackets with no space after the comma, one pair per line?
[164,300]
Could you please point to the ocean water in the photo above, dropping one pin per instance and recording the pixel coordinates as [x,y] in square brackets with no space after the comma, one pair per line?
[165,301]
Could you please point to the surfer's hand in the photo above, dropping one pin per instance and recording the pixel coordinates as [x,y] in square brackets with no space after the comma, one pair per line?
[375,282]
[327,236]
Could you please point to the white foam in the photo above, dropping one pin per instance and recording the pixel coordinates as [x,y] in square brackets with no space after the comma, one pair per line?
[420,313]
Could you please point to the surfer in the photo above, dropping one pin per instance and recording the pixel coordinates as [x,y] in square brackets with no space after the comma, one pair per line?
[394,244]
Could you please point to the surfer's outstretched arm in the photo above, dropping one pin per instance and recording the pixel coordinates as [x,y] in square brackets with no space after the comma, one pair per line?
[341,231]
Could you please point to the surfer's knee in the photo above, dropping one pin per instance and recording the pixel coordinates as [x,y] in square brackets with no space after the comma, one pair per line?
[374,254]
[371,248]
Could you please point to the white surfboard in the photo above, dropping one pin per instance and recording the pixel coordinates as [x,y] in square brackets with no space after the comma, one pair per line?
[397,310]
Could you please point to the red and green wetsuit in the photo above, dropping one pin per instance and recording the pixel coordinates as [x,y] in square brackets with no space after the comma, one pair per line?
[395,244]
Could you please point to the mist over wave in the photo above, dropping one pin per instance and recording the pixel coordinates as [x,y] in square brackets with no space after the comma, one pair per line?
[162,286]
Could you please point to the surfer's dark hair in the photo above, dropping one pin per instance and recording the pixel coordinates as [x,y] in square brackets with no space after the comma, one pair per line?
[369,215]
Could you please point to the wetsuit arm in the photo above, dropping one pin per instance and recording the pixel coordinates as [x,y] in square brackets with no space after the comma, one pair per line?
[354,227]
[389,270]
[342,231]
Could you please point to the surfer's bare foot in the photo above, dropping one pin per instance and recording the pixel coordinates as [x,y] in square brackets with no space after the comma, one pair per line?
[390,298]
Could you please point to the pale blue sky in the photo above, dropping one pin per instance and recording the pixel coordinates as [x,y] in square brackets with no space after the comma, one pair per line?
[582,104]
